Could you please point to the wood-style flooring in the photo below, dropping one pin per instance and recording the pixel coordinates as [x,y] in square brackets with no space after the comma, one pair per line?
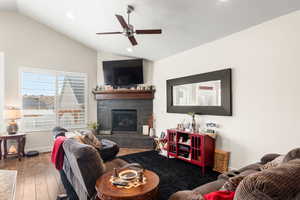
[38,179]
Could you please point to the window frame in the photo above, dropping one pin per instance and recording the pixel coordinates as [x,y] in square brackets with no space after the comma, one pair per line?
[2,92]
[55,73]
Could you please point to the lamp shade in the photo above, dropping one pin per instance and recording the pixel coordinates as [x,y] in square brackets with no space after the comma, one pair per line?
[12,113]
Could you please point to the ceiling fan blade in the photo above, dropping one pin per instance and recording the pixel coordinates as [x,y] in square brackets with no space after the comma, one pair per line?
[149,31]
[133,40]
[122,21]
[107,33]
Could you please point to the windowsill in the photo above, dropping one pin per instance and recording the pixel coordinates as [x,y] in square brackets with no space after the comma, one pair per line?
[47,131]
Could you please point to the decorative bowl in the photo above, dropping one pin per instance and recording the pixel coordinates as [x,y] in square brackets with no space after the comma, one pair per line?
[128,174]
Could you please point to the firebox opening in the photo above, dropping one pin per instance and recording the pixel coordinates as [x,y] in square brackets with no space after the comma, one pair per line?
[124,120]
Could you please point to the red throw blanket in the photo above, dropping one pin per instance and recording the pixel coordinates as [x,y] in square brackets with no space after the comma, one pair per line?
[220,195]
[57,157]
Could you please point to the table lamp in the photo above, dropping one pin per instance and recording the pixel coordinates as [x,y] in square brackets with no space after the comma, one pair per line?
[12,114]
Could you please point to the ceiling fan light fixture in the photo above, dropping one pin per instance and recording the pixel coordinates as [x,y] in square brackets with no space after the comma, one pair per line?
[70,15]
[129,49]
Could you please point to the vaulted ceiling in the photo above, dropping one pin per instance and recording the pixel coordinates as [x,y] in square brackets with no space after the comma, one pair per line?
[185,23]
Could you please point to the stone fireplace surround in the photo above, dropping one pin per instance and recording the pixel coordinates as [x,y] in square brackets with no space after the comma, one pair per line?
[143,107]
[139,100]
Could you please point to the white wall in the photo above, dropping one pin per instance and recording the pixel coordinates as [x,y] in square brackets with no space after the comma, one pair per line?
[105,56]
[27,43]
[2,125]
[266,96]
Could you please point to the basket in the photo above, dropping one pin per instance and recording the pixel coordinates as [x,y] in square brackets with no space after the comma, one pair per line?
[221,161]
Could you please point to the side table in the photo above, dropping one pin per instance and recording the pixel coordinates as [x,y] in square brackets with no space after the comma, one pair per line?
[21,140]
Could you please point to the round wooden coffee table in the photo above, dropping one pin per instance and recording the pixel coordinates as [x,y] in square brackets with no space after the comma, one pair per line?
[107,191]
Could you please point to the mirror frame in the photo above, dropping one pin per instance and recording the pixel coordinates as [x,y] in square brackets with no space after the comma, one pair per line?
[226,93]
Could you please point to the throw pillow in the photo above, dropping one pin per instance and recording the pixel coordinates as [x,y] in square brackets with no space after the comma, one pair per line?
[293,154]
[274,163]
[90,139]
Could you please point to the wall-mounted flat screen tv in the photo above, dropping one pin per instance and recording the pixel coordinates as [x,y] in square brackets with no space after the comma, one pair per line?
[123,72]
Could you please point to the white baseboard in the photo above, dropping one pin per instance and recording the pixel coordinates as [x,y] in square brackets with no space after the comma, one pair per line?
[40,149]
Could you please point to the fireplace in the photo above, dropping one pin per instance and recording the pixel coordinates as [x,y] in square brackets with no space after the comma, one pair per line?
[123,113]
[124,120]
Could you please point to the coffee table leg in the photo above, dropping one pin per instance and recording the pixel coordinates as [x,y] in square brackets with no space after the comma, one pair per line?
[0,149]
[5,148]
[23,146]
[19,148]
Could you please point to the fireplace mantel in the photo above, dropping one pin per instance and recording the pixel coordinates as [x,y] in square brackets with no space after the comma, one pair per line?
[123,94]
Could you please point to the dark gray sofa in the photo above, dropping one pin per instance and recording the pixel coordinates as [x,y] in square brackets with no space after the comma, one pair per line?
[278,183]
[83,165]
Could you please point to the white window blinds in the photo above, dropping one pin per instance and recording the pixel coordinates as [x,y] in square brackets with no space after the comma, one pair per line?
[53,99]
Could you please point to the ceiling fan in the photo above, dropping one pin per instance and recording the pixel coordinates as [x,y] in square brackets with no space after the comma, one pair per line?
[128,29]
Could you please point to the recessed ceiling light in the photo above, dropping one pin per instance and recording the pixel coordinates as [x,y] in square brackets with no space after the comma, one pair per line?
[129,49]
[223,1]
[70,15]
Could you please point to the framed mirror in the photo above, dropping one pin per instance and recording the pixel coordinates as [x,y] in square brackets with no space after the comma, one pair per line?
[205,94]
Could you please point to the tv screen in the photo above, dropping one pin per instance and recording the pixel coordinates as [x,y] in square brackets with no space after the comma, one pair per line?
[123,72]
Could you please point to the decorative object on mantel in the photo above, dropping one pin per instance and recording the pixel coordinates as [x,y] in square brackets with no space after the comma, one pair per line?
[12,114]
[123,94]
[8,181]
[136,87]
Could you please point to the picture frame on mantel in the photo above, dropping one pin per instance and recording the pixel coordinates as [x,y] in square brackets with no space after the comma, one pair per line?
[204,94]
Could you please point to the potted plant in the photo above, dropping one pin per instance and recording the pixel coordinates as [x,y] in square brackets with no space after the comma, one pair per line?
[95,127]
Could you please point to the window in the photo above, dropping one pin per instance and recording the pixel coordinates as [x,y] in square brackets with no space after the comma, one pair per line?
[52,99]
[2,124]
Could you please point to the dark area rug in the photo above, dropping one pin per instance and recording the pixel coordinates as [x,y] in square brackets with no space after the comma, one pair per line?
[174,174]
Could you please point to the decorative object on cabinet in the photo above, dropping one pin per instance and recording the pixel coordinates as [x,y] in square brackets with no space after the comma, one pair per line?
[195,148]
[204,94]
[221,161]
[193,124]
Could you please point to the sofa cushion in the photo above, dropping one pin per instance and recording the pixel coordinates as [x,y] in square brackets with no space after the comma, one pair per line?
[293,154]
[232,183]
[254,166]
[90,139]
[268,157]
[109,150]
[282,182]
[274,163]
[186,195]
